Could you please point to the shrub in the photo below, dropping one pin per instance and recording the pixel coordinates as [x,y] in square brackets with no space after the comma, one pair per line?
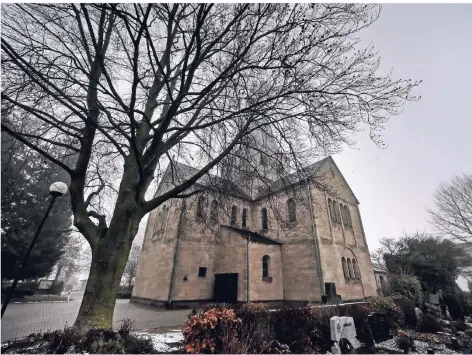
[455,308]
[124,292]
[56,288]
[429,324]
[434,310]
[468,332]
[213,330]
[466,302]
[304,330]
[405,285]
[458,326]
[256,332]
[22,289]
[387,305]
[407,307]
[96,340]
[126,327]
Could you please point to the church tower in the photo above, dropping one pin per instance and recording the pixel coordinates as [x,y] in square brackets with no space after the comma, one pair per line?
[255,163]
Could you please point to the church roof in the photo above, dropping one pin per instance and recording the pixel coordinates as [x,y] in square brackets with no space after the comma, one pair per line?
[183,172]
[254,236]
[292,178]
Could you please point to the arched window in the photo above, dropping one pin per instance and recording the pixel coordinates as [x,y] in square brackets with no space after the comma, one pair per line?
[201,206]
[292,210]
[348,217]
[331,210]
[345,269]
[157,225]
[214,211]
[162,223]
[244,218]
[351,270]
[344,215]
[337,212]
[234,211]
[265,226]
[265,265]
[357,272]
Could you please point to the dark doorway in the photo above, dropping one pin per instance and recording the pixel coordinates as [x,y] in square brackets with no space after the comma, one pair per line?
[226,288]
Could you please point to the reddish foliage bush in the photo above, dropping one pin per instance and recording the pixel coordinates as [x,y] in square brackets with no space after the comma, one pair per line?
[253,329]
[213,330]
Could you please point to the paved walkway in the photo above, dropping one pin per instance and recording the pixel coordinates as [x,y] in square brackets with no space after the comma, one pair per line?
[21,319]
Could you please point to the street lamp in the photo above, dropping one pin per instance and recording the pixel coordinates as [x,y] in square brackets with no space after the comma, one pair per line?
[56,190]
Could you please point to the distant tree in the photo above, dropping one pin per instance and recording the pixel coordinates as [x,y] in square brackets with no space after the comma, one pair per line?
[131,267]
[453,213]
[26,177]
[404,285]
[435,261]
[127,86]
[74,260]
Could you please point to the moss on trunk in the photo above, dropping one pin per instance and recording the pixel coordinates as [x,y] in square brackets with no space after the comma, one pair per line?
[98,303]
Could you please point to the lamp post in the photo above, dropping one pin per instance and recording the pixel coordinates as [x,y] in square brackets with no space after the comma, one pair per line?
[56,190]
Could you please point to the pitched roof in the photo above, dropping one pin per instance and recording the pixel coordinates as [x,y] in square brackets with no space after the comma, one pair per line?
[254,236]
[378,267]
[292,178]
[182,172]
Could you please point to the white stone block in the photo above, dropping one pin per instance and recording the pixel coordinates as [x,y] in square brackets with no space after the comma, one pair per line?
[343,327]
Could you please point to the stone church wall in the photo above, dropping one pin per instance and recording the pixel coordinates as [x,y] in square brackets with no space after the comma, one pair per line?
[155,264]
[196,248]
[301,279]
[295,264]
[337,241]
[231,258]
[264,290]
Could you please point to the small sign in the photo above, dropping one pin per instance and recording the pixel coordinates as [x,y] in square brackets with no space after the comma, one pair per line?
[45,284]
[343,327]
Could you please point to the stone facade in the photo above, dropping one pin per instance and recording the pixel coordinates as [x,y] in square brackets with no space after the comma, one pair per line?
[187,244]
[381,277]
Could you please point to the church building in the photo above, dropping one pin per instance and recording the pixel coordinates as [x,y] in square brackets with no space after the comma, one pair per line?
[291,240]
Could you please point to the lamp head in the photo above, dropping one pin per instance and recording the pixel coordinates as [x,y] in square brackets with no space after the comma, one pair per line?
[57,189]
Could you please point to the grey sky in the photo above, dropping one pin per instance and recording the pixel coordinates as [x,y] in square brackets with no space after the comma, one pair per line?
[431,141]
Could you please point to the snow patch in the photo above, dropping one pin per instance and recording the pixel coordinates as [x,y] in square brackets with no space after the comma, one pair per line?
[163,342]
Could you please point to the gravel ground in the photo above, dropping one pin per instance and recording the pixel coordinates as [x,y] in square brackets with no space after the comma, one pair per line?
[421,347]
[439,345]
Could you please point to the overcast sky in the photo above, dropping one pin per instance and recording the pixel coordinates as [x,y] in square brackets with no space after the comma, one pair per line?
[431,141]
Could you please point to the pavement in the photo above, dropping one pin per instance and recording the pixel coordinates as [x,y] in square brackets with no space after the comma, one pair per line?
[22,319]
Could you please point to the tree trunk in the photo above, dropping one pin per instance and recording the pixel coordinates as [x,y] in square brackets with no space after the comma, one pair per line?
[110,252]
[58,272]
[108,262]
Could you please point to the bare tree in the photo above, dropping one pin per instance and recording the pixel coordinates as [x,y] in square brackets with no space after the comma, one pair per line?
[131,267]
[453,213]
[126,87]
[74,260]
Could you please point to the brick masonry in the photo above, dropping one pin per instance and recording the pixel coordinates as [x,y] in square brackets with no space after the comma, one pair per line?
[178,242]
